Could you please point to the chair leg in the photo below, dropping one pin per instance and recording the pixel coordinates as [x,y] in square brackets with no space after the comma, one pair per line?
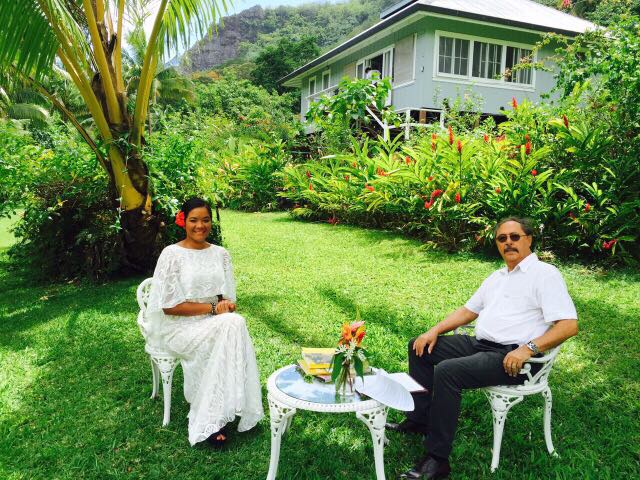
[155,378]
[500,405]
[548,405]
[166,366]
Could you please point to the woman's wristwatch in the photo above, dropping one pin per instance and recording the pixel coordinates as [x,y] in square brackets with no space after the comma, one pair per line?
[213,308]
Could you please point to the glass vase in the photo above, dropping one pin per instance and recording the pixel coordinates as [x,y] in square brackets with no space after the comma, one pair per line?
[345,383]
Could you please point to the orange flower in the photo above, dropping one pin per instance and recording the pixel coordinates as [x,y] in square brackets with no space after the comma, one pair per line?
[359,335]
[346,333]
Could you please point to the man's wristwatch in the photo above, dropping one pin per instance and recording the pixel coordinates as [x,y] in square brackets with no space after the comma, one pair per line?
[533,347]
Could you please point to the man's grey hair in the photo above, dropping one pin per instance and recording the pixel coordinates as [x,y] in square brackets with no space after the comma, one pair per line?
[525,223]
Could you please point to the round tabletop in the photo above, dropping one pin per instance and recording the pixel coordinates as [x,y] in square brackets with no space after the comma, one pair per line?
[289,386]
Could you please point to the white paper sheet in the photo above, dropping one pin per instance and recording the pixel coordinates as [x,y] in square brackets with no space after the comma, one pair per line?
[386,390]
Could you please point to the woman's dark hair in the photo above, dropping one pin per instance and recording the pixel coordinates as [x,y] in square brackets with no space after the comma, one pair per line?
[195,202]
[525,223]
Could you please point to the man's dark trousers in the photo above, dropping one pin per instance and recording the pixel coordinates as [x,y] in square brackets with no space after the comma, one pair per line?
[457,362]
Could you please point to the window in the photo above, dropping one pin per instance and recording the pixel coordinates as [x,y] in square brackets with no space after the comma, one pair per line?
[453,58]
[515,56]
[487,60]
[491,61]
[326,76]
[312,86]
[381,62]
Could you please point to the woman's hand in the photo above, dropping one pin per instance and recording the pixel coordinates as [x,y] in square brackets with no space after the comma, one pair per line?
[225,306]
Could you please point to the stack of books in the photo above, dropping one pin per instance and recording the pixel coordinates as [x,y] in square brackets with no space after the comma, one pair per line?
[317,362]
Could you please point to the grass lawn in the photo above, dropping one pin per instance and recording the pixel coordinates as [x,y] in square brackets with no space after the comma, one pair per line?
[75,382]
[6,237]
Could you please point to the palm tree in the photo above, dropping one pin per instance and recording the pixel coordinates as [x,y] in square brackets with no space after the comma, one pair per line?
[168,85]
[86,37]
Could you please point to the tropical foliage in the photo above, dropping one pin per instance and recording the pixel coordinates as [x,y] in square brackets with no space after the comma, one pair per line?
[86,36]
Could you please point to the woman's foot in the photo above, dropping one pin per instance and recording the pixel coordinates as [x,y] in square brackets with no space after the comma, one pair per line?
[219,439]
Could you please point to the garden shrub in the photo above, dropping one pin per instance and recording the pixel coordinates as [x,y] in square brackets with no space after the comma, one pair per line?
[70,225]
[451,188]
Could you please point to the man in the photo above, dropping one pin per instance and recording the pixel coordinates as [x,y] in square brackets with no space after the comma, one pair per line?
[521,310]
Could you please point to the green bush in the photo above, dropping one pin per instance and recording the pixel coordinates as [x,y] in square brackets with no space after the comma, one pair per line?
[70,224]
[450,189]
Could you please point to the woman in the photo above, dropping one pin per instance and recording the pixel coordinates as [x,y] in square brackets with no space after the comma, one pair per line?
[191,311]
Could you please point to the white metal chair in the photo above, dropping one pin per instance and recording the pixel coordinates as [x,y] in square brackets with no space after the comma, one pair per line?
[163,364]
[503,397]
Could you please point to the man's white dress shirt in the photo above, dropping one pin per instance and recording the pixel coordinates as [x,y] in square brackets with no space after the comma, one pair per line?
[518,306]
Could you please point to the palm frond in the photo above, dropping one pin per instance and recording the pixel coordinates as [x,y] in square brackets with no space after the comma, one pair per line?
[28,111]
[27,41]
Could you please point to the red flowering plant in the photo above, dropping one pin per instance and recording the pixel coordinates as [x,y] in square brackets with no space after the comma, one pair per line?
[349,353]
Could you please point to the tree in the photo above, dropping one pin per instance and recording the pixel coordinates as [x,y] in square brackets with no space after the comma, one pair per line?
[86,36]
[276,61]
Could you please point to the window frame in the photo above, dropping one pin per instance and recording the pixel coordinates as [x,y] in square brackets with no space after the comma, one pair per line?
[363,60]
[469,78]
[326,73]
[315,83]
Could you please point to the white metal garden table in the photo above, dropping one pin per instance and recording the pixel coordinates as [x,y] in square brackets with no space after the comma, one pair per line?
[288,391]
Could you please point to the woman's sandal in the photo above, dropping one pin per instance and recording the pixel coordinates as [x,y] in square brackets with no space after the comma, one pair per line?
[219,439]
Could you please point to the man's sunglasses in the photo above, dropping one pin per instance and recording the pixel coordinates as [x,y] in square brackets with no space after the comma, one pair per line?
[513,236]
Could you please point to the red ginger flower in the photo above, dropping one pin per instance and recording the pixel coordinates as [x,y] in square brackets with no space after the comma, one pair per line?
[458,197]
[566,4]
[381,172]
[486,138]
[355,164]
[433,146]
[434,137]
[514,103]
[436,193]
[333,220]
[407,159]
[430,179]
[311,186]
[450,135]
[180,219]
[459,146]
[498,190]
[346,177]
[527,137]
[527,148]
[369,187]
[566,121]
[534,172]
[587,207]
[428,205]
[308,174]
[609,244]
[571,215]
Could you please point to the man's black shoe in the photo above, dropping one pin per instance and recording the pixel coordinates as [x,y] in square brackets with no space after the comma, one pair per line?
[428,469]
[408,426]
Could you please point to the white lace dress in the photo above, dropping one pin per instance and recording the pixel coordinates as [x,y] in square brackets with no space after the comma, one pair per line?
[221,378]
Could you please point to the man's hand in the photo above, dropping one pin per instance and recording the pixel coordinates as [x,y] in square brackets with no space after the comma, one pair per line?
[427,339]
[514,360]
[225,306]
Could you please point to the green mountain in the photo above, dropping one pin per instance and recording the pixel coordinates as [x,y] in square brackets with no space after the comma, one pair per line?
[242,36]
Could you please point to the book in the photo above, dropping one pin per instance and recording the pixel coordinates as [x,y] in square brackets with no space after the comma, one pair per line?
[318,358]
[308,370]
